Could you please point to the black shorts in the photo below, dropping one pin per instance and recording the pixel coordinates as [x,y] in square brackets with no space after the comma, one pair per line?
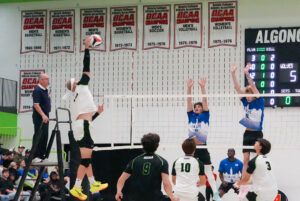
[147,198]
[229,186]
[250,138]
[87,140]
[251,196]
[203,156]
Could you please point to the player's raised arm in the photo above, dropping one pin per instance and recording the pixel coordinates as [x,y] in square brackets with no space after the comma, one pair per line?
[250,81]
[190,84]
[235,82]
[85,78]
[86,60]
[202,84]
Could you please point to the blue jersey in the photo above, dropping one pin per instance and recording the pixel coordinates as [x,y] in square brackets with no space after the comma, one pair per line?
[232,170]
[254,113]
[45,175]
[198,125]
[1,159]
[21,172]
[32,172]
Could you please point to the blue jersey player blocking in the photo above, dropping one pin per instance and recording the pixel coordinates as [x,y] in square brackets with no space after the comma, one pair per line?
[198,117]
[254,113]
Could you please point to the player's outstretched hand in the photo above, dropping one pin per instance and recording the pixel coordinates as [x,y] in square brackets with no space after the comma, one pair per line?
[202,82]
[233,68]
[190,83]
[100,108]
[236,185]
[119,196]
[247,67]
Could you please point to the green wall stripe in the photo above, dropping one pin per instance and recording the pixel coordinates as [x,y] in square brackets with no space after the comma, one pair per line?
[24,1]
[8,123]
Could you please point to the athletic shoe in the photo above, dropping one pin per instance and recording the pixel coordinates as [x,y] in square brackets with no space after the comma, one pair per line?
[97,186]
[216,197]
[77,192]
[36,160]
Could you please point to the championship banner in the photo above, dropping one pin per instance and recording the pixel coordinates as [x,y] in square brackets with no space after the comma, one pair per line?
[33,31]
[93,21]
[222,23]
[62,27]
[29,79]
[188,25]
[156,27]
[123,28]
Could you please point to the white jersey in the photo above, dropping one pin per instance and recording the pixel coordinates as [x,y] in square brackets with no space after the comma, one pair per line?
[83,100]
[187,170]
[262,176]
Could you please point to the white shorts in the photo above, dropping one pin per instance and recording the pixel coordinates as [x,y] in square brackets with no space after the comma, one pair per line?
[78,129]
[266,195]
[185,198]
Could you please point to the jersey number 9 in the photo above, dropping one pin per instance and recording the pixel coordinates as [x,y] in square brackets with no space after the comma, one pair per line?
[146,168]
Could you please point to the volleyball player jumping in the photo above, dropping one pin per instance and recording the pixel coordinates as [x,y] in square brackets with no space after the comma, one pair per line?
[198,130]
[254,113]
[85,112]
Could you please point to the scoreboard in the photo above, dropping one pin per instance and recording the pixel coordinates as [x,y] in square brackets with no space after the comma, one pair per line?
[274,54]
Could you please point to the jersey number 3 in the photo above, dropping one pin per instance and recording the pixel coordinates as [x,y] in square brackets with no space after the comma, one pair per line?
[185,167]
[268,165]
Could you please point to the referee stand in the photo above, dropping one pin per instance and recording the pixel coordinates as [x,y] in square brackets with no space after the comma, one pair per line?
[43,165]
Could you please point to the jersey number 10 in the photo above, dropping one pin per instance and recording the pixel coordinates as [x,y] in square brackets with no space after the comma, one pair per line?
[185,167]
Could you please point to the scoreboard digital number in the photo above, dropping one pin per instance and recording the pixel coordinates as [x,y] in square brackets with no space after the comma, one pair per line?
[274,54]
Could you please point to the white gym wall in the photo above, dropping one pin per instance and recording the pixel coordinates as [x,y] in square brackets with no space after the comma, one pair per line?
[161,72]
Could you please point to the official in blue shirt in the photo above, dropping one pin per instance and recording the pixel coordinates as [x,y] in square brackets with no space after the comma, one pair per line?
[41,109]
[230,171]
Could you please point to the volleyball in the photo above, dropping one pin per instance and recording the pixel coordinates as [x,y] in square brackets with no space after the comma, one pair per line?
[96,40]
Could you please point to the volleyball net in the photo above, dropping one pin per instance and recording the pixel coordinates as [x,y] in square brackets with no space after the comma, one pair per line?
[128,117]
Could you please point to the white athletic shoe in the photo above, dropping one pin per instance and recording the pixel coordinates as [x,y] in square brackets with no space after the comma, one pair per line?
[36,160]
[216,197]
